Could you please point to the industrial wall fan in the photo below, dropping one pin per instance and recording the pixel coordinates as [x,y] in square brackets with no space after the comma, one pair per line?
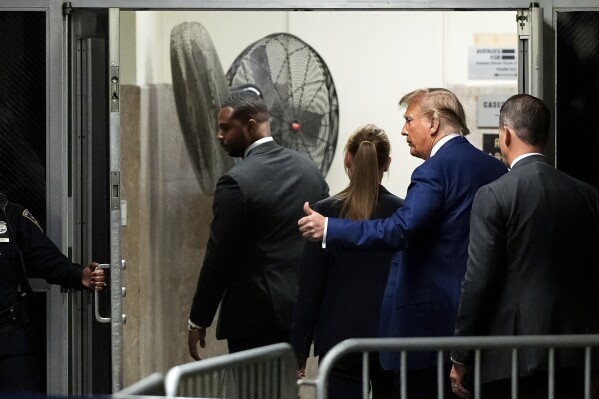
[199,87]
[299,91]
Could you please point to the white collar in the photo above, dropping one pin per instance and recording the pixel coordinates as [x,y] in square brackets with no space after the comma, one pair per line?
[256,144]
[521,157]
[444,140]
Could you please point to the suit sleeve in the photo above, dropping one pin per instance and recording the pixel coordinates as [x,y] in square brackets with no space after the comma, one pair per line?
[226,232]
[325,190]
[312,281]
[422,207]
[486,258]
[42,257]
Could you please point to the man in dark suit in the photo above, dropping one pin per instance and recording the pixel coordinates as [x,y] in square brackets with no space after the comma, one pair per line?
[254,249]
[431,230]
[533,262]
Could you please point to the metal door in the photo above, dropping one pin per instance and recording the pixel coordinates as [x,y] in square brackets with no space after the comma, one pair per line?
[93,94]
[116,262]
[88,143]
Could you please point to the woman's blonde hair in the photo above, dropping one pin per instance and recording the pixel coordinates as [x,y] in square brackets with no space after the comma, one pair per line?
[369,149]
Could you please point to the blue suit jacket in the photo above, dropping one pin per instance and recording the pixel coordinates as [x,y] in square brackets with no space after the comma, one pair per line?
[431,229]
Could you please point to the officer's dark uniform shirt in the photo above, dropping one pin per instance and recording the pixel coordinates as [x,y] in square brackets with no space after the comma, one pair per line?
[42,259]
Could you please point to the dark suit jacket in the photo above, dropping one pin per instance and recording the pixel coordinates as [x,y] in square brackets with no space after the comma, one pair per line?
[340,293]
[533,264]
[421,298]
[254,249]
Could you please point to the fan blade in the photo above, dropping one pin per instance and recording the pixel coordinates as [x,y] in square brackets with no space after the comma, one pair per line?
[199,87]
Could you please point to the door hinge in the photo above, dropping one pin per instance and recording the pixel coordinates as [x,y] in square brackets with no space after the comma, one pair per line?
[114,89]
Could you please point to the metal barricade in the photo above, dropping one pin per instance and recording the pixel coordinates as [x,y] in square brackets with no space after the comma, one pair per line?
[263,373]
[152,385]
[442,345]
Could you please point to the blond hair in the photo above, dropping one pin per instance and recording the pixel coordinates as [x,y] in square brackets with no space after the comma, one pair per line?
[441,104]
[369,148]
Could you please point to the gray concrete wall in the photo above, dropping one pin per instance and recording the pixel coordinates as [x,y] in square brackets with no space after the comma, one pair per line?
[165,237]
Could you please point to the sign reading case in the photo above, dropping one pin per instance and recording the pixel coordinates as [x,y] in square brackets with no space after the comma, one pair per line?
[487,109]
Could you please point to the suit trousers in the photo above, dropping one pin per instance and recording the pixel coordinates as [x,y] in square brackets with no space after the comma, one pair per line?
[569,384]
[345,381]
[422,383]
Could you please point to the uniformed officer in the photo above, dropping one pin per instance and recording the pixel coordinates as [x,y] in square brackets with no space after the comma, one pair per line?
[26,251]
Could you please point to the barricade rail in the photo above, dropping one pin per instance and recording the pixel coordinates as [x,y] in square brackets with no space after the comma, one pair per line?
[442,345]
[267,372]
[152,385]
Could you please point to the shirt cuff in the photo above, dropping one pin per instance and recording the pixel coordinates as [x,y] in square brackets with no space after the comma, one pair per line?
[324,234]
[194,326]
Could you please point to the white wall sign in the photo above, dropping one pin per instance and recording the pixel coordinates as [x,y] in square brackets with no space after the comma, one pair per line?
[492,63]
[487,109]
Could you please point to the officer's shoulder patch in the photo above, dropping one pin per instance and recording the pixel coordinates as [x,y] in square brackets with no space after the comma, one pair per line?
[29,216]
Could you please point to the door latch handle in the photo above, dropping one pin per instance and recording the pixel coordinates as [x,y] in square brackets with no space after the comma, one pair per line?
[99,318]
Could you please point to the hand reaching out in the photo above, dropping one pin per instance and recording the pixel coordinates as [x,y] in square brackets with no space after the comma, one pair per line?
[312,225]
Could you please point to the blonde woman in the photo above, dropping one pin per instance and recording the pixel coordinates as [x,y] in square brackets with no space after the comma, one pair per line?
[340,293]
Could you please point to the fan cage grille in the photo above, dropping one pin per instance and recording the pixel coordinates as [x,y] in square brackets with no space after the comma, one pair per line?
[298,89]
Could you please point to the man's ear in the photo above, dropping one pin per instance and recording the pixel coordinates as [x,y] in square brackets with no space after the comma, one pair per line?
[507,136]
[252,125]
[434,127]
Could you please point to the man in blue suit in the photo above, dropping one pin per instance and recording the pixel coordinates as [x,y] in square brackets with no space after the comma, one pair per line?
[430,231]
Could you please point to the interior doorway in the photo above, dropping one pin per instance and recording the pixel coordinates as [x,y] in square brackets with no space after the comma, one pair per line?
[374,58]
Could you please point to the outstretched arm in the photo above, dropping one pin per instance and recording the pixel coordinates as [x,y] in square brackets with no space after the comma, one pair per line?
[423,204]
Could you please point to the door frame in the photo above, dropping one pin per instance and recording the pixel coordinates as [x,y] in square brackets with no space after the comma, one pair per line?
[60,218]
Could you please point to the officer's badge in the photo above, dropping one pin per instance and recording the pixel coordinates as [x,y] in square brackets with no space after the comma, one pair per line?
[3,228]
[29,216]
